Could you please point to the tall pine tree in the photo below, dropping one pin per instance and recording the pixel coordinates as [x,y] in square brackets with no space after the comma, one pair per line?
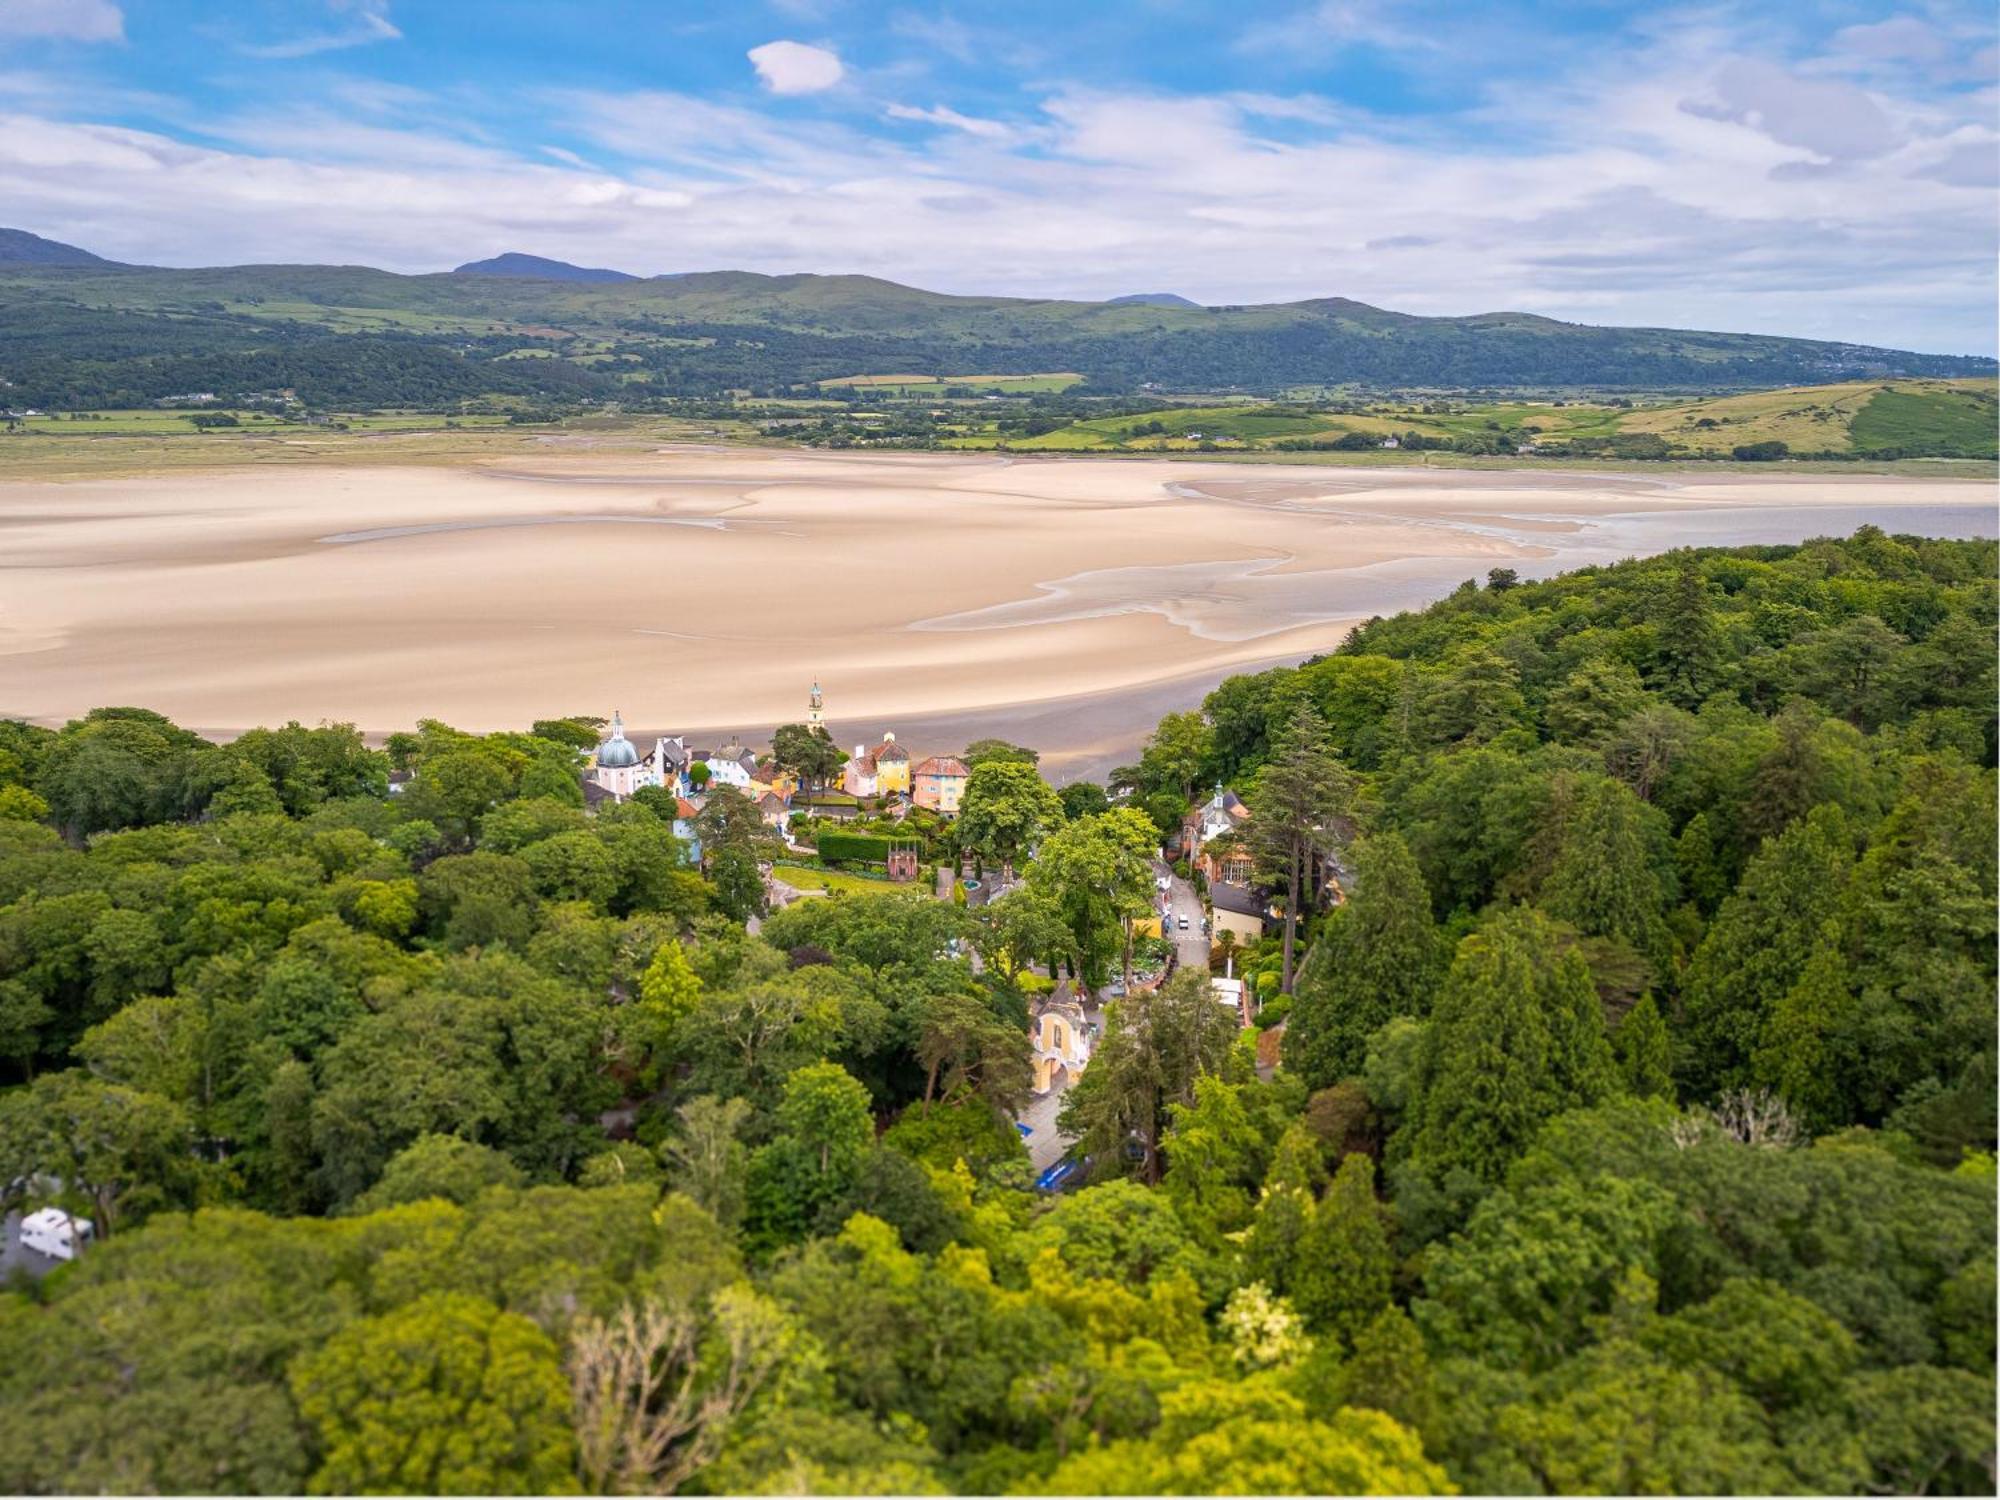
[1342,1277]
[1517,1035]
[1377,957]
[1297,799]
[1686,651]
[1760,943]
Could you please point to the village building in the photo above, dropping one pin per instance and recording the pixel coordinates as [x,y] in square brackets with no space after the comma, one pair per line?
[1233,994]
[618,768]
[51,1232]
[732,765]
[892,768]
[938,783]
[1241,909]
[857,777]
[1209,839]
[1061,1036]
[775,809]
[685,812]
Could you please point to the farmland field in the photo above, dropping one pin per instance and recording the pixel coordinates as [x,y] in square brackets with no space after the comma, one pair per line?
[926,384]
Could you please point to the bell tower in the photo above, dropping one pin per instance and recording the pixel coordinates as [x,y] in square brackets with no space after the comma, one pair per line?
[815,708]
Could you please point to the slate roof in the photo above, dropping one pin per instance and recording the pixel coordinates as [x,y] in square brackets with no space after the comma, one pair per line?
[1240,899]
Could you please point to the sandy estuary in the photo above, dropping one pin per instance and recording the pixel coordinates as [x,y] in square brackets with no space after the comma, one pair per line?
[1065,601]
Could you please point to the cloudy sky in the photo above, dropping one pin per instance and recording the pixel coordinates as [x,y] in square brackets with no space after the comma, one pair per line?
[1825,169]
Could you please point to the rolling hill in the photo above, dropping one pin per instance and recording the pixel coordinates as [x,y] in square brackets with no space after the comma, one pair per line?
[20,248]
[89,333]
[535,267]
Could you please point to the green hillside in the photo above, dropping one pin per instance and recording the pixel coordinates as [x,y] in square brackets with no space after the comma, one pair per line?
[101,335]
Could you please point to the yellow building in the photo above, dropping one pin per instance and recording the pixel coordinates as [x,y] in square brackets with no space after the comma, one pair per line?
[1061,1038]
[892,768]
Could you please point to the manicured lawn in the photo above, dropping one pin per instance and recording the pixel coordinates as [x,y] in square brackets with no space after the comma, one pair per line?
[800,879]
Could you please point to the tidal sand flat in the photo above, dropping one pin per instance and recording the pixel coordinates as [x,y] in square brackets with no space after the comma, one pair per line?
[702,589]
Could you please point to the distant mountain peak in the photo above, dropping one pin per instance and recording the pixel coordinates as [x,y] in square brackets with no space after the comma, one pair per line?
[20,248]
[514,263]
[1153,299]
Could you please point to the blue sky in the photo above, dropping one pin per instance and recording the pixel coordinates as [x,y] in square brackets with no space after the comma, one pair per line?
[1826,169]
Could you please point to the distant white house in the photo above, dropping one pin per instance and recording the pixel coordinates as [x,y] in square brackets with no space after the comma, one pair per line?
[47,1231]
[732,765]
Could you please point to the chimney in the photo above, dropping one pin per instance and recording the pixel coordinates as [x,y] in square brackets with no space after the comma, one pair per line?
[859,751]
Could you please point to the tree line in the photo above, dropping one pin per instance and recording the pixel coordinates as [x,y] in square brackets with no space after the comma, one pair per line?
[1633,1129]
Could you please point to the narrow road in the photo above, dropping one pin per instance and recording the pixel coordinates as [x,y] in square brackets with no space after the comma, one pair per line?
[1184,905]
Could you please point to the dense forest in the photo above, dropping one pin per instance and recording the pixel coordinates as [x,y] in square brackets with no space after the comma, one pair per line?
[1633,1130]
[56,355]
[93,335]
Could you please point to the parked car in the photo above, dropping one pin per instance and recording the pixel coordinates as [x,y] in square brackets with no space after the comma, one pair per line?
[1184,924]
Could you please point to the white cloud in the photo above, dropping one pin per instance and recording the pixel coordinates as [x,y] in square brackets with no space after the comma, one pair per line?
[65,20]
[991,130]
[1772,206]
[795,68]
[1824,116]
[370,23]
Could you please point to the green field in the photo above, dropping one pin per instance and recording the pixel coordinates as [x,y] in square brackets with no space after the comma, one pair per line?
[1961,414]
[922,385]
[1840,418]
[1950,418]
[830,881]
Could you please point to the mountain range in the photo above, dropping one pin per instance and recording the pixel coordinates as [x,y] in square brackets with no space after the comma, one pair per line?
[78,330]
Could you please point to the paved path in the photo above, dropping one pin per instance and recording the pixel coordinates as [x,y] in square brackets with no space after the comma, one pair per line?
[1045,1147]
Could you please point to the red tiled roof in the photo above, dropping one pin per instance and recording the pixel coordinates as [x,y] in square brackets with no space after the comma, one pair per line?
[941,765]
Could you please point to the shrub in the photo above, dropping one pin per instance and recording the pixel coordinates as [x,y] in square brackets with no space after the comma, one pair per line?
[869,848]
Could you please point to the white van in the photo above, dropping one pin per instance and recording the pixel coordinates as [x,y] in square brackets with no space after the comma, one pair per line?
[46,1231]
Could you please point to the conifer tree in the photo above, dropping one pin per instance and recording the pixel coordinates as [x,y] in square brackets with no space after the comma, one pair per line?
[1687,650]
[1582,1070]
[1341,1280]
[1391,1371]
[1378,957]
[1797,1051]
[1604,882]
[1297,798]
[1483,1077]
[1760,943]
[1645,1053]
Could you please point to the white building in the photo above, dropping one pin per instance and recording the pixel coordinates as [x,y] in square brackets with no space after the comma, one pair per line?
[857,777]
[621,770]
[47,1231]
[618,767]
[732,765]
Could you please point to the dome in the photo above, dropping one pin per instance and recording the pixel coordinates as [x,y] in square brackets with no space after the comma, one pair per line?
[617,753]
